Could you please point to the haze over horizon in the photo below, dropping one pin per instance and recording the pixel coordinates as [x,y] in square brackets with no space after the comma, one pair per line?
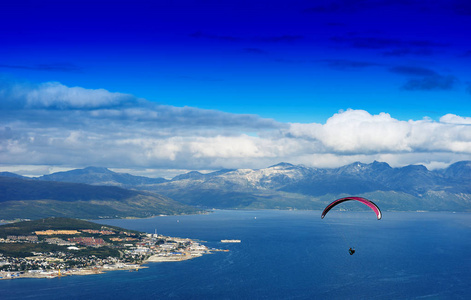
[156,89]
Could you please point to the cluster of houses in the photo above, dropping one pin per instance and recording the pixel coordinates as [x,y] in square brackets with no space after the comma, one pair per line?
[158,247]
[27,238]
[133,249]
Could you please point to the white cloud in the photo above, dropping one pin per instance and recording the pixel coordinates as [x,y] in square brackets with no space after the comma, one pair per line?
[358,132]
[56,95]
[454,119]
[57,126]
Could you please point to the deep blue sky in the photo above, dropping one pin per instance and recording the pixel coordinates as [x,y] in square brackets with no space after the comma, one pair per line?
[290,61]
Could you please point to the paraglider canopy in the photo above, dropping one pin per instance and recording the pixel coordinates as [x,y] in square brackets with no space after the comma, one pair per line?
[367,202]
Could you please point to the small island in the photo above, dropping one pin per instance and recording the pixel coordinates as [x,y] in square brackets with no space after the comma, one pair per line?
[55,247]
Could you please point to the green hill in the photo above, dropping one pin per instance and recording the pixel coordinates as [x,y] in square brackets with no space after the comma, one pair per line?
[27,227]
[33,199]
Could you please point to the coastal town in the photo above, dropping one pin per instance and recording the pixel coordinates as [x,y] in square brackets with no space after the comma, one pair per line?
[54,253]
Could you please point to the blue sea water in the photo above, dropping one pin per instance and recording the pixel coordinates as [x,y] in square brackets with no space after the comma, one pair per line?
[288,255]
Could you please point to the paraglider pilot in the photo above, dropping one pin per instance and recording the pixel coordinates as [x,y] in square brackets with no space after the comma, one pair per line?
[367,202]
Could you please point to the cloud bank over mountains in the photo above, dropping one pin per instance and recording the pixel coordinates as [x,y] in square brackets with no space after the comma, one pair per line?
[51,124]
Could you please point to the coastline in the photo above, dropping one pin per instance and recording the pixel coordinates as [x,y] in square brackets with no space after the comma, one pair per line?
[61,273]
[173,258]
[156,258]
[194,251]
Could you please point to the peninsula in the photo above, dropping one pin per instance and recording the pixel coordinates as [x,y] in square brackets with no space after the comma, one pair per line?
[56,247]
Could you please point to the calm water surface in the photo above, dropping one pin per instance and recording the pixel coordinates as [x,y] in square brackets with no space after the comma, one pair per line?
[288,255]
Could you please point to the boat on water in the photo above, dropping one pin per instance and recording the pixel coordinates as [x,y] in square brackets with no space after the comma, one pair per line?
[230,241]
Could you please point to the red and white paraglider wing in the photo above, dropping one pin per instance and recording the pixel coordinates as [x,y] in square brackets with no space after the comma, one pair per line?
[367,202]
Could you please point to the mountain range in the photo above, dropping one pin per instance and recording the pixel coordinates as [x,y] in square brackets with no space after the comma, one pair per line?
[287,186]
